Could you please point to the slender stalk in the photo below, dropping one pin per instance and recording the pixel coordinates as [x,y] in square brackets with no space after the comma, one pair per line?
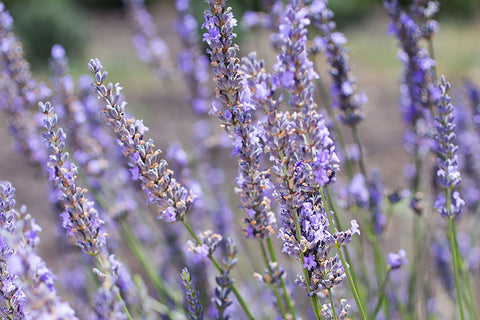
[286,294]
[272,286]
[382,293]
[330,297]
[136,248]
[468,294]
[220,269]
[279,301]
[313,298]
[361,161]
[412,284]
[164,310]
[133,245]
[456,263]
[339,225]
[117,294]
[346,266]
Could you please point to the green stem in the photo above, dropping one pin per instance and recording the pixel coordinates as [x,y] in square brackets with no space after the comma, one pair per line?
[330,297]
[361,161]
[339,225]
[117,293]
[286,294]
[346,267]
[382,293]
[313,298]
[272,286]
[220,269]
[468,294]
[456,265]
[164,310]
[136,248]
[279,300]
[412,284]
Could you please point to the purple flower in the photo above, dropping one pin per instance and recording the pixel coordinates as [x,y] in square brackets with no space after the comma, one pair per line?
[344,86]
[237,119]
[418,89]
[150,47]
[309,262]
[192,63]
[80,217]
[27,283]
[208,242]
[396,260]
[448,174]
[195,309]
[157,180]
[170,214]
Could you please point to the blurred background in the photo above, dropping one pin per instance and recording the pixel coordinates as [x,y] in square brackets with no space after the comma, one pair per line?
[99,29]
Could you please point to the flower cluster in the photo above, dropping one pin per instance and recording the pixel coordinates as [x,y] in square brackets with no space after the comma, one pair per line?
[80,218]
[448,175]
[303,154]
[151,48]
[191,62]
[343,83]
[27,284]
[238,119]
[418,89]
[194,307]
[20,93]
[145,162]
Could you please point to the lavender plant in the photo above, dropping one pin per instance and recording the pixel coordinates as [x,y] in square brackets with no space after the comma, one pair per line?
[285,245]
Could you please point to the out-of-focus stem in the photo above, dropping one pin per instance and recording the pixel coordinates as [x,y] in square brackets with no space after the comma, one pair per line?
[452,235]
[382,293]
[361,161]
[100,260]
[412,284]
[339,225]
[330,297]
[220,269]
[133,244]
[136,248]
[282,282]
[272,286]
[468,292]
[313,298]
[164,310]
[346,267]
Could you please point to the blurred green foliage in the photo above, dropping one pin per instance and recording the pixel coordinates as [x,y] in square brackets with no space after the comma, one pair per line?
[41,24]
[345,10]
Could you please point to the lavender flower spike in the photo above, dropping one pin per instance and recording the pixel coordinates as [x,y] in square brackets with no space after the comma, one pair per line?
[151,48]
[30,281]
[344,86]
[80,218]
[236,117]
[219,23]
[157,180]
[195,309]
[448,174]
[191,62]
[12,298]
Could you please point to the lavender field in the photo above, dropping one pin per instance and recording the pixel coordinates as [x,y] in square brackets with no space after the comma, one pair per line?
[299,170]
